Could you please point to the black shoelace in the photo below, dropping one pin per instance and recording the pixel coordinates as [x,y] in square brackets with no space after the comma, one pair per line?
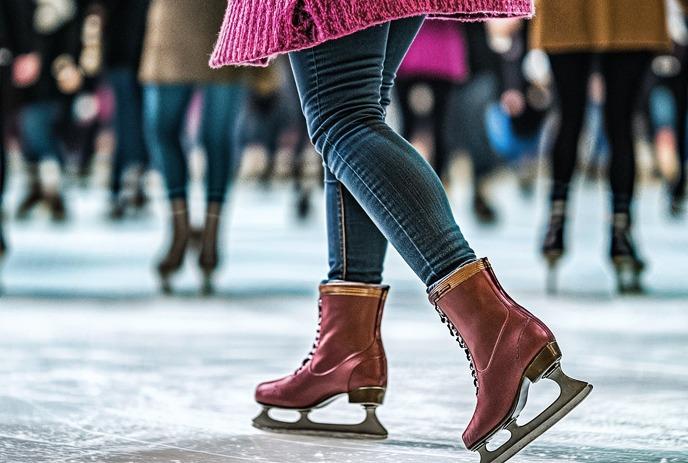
[310,355]
[455,333]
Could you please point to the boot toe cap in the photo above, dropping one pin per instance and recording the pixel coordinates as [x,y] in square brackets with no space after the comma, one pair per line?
[268,393]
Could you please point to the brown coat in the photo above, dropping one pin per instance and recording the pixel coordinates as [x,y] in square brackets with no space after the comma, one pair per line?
[562,26]
[179,38]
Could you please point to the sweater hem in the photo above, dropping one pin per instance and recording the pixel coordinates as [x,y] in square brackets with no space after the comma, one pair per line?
[226,51]
[594,47]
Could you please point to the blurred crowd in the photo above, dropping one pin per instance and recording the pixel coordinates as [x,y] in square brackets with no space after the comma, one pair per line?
[126,82]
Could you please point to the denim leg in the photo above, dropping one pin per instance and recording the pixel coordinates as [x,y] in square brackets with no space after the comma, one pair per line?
[340,85]
[38,136]
[128,124]
[399,39]
[356,247]
[221,107]
[164,113]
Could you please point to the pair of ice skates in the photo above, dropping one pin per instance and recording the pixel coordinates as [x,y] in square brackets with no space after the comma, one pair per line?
[623,254]
[184,237]
[508,349]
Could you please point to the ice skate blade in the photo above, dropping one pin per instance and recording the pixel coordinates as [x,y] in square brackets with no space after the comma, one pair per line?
[207,286]
[628,275]
[166,285]
[553,259]
[369,428]
[572,393]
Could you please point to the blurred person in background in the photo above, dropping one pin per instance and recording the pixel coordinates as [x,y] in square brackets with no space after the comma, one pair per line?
[79,125]
[436,63]
[623,35]
[124,34]
[443,71]
[272,111]
[668,109]
[516,123]
[19,65]
[179,36]
[55,29]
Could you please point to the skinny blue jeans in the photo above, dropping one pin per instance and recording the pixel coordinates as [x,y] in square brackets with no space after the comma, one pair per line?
[378,187]
[165,109]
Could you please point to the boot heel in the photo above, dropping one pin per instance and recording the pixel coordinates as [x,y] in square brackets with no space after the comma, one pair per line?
[367,396]
[544,362]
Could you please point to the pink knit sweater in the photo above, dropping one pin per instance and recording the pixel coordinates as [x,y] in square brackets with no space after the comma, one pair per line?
[254,31]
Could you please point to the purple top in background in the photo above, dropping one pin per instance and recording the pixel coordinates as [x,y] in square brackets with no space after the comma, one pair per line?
[439,51]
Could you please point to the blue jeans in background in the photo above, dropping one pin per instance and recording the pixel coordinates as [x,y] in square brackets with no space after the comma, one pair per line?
[39,140]
[165,108]
[377,184]
[128,124]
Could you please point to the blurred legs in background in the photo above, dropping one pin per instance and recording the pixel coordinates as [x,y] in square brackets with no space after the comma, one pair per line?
[165,111]
[271,112]
[3,165]
[77,128]
[130,151]
[40,142]
[440,91]
[622,73]
[471,98]
[668,108]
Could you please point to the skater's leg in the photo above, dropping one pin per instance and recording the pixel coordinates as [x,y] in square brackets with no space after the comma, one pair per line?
[222,105]
[340,86]
[128,124]
[399,39]
[164,109]
[623,73]
[349,351]
[571,72]
[39,141]
[164,113]
[357,248]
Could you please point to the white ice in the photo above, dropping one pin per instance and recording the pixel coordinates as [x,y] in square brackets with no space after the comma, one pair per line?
[95,366]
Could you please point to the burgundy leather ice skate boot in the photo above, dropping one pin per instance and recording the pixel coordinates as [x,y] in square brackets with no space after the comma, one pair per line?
[347,358]
[508,348]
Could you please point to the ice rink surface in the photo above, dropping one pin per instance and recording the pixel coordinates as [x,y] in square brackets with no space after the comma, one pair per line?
[95,366]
